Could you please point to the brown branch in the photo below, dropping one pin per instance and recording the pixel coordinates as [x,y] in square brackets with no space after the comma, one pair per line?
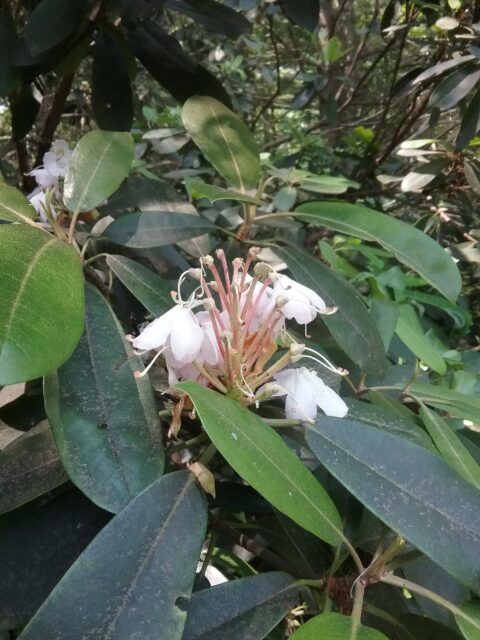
[53,117]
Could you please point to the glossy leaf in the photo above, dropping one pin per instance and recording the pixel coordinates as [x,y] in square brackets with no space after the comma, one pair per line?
[135,584]
[454,88]
[30,467]
[147,286]
[112,100]
[408,487]
[468,619]
[261,458]
[328,184]
[422,176]
[334,626]
[224,140]
[155,229]
[450,446]
[37,547]
[351,326]
[103,418]
[41,318]
[14,206]
[441,67]
[51,22]
[99,163]
[199,189]
[410,332]
[305,14]
[213,15]
[245,609]
[408,244]
[470,124]
[385,316]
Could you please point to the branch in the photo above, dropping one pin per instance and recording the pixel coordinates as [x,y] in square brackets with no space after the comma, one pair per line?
[53,117]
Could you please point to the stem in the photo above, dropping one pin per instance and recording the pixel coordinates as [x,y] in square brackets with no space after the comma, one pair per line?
[281,422]
[71,230]
[357,609]
[188,443]
[208,555]
[396,581]
[208,454]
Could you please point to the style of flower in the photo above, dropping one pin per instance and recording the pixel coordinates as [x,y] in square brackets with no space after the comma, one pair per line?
[305,392]
[230,342]
[48,177]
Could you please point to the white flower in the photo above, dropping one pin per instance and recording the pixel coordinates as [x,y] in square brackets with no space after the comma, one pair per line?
[210,351]
[305,392]
[38,198]
[177,329]
[303,303]
[44,178]
[56,160]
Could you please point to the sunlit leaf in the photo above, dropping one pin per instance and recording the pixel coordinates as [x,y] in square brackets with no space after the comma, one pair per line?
[334,626]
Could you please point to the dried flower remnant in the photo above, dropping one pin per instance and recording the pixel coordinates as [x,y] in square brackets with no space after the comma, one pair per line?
[226,334]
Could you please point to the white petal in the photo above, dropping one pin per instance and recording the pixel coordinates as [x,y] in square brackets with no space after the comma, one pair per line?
[300,403]
[327,399]
[210,349]
[155,335]
[186,336]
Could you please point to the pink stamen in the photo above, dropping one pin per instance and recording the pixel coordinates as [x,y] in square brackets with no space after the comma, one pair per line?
[220,253]
[221,289]
[252,310]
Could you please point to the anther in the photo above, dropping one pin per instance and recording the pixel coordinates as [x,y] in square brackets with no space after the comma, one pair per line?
[206,261]
[262,270]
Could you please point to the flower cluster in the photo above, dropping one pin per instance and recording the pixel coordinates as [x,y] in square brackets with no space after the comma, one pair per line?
[48,177]
[227,333]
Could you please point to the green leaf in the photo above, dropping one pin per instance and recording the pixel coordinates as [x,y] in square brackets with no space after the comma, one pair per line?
[408,487]
[214,16]
[334,626]
[30,467]
[422,175]
[261,458]
[37,546]
[441,67]
[351,326]
[147,286]
[103,418]
[385,316]
[155,229]
[408,244]
[304,14]
[51,22]
[41,318]
[468,619]
[130,581]
[285,198]
[454,88]
[410,332]
[246,608]
[386,420]
[470,123]
[99,163]
[328,184]
[450,446]
[224,140]
[14,206]
[197,188]
[457,404]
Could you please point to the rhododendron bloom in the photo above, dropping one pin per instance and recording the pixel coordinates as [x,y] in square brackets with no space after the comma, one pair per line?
[305,392]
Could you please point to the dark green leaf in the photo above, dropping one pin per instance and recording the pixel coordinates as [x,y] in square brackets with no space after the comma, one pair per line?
[457,404]
[112,101]
[52,21]
[470,123]
[41,318]
[385,316]
[285,198]
[450,446]
[103,418]
[410,332]
[261,458]
[408,487]
[245,609]
[130,582]
[454,88]
[305,14]
[37,547]
[386,420]
[213,15]
[155,229]
[147,286]
[334,626]
[9,75]
[199,189]
[14,206]
[407,243]
[441,67]
[99,163]
[30,467]
[224,140]
[351,326]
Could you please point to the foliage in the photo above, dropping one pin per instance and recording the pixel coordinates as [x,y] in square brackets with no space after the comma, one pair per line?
[173,446]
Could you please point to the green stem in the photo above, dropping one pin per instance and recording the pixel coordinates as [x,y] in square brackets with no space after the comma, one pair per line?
[274,216]
[357,609]
[209,555]
[188,443]
[282,422]
[208,454]
[99,255]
